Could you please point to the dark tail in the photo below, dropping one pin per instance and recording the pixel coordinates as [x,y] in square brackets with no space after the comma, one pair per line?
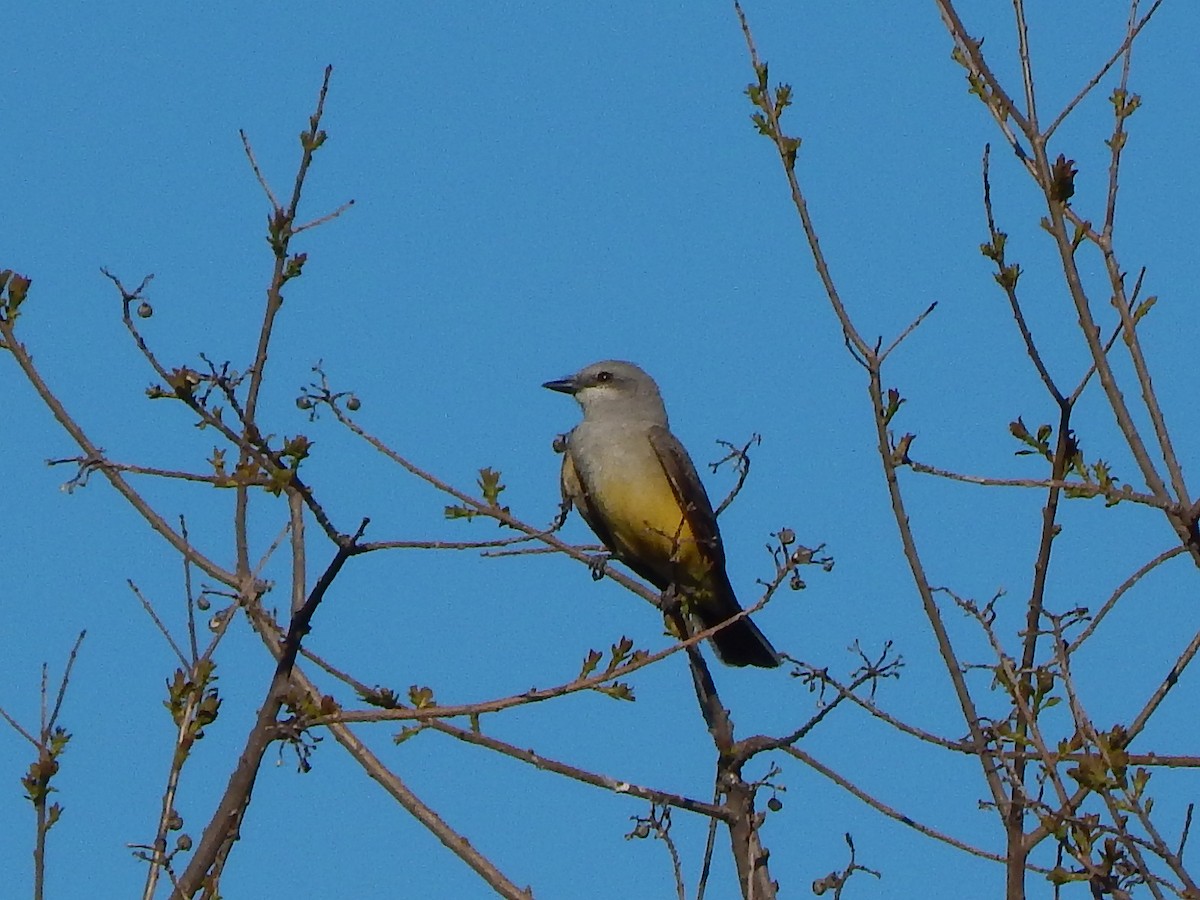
[742,644]
[739,643]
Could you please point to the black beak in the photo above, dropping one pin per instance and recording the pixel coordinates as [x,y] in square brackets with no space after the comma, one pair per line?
[562,385]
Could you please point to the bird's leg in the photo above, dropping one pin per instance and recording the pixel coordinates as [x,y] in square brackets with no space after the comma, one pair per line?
[670,602]
[564,510]
[598,564]
[671,605]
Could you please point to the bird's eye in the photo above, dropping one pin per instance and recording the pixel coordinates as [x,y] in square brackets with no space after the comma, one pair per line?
[603,377]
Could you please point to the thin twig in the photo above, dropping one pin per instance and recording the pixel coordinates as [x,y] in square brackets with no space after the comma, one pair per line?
[1104,69]
[741,458]
[191,599]
[91,451]
[1082,488]
[616,785]
[710,842]
[639,660]
[881,807]
[907,331]
[1108,344]
[1007,279]
[158,623]
[254,167]
[854,339]
[1120,592]
[321,220]
[66,678]
[1026,60]
[17,727]
[370,546]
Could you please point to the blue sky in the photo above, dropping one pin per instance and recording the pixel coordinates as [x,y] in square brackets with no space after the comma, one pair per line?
[538,187]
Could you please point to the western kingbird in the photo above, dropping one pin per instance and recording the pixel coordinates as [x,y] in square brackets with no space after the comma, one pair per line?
[636,487]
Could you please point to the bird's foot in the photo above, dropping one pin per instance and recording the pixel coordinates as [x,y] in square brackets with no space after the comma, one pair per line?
[670,602]
[598,564]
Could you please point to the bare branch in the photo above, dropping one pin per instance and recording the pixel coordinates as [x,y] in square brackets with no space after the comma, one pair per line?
[617,786]
[1104,69]
[1120,592]
[881,807]
[222,829]
[158,623]
[912,326]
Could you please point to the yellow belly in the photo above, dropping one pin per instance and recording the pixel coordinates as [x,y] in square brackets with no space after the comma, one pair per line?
[646,523]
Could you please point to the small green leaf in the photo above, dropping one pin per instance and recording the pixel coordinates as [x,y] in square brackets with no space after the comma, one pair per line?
[297,448]
[384,698]
[894,402]
[405,733]
[789,147]
[421,697]
[995,249]
[1008,276]
[490,486]
[1142,308]
[590,662]
[762,125]
[618,691]
[1040,443]
[295,265]
[620,650]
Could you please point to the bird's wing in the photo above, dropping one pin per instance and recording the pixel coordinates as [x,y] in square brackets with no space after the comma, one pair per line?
[689,493]
[740,643]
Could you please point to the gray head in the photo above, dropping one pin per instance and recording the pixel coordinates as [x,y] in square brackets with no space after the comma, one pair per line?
[614,389]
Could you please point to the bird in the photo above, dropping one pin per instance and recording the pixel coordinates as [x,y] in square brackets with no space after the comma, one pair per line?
[635,486]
